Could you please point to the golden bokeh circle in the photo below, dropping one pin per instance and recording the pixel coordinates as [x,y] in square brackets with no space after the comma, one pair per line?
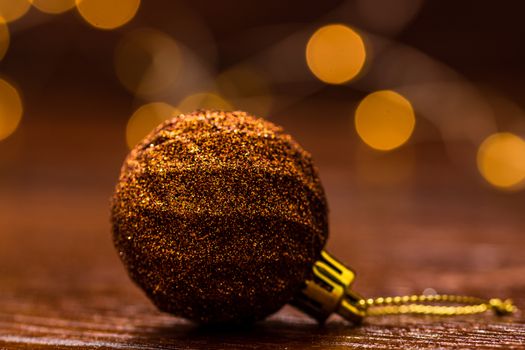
[107,14]
[11,109]
[53,6]
[12,10]
[145,119]
[501,160]
[335,54]
[384,120]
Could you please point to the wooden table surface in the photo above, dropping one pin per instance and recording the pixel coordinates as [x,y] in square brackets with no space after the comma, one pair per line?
[63,286]
[416,218]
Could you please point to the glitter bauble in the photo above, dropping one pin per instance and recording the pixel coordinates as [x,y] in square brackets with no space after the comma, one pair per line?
[219,216]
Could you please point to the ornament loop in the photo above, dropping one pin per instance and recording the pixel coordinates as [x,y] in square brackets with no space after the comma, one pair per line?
[329,292]
[502,307]
[436,305]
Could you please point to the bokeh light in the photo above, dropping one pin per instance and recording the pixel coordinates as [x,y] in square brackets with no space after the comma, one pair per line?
[4,38]
[501,160]
[335,54]
[147,61]
[145,119]
[384,120]
[107,14]
[247,88]
[10,109]
[12,10]
[53,6]
[203,100]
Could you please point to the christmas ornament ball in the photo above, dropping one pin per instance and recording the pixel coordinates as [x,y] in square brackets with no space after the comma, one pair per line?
[219,217]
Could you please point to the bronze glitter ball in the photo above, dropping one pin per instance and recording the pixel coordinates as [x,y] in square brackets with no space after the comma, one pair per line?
[219,216]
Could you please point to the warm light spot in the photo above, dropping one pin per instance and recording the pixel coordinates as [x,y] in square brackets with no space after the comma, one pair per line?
[384,120]
[203,100]
[501,160]
[10,109]
[429,291]
[145,119]
[53,6]
[247,88]
[147,61]
[107,14]
[12,10]
[4,38]
[335,54]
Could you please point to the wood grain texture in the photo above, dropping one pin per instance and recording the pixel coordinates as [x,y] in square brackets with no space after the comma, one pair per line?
[62,285]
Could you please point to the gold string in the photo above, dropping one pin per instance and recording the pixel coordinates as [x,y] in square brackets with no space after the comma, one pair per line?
[439,305]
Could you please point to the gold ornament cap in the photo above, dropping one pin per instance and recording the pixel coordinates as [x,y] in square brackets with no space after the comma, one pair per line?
[329,292]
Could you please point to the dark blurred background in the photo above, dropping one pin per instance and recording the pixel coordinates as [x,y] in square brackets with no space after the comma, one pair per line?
[412,109]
